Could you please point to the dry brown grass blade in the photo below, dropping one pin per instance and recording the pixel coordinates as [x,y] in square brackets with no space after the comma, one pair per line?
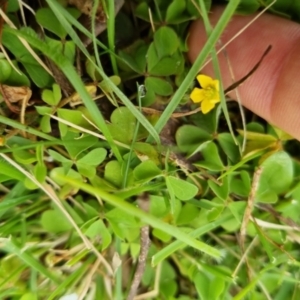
[250,205]
[143,202]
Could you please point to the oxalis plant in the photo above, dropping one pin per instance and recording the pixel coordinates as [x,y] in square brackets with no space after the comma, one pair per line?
[124,172]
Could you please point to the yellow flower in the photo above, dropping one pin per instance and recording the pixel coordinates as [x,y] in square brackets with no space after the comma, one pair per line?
[208,95]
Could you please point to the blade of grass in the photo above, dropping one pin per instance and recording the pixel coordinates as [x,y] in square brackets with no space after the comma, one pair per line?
[137,190]
[81,129]
[94,37]
[111,34]
[10,202]
[174,246]
[8,245]
[241,163]
[74,276]
[46,144]
[212,40]
[134,138]
[17,125]
[144,217]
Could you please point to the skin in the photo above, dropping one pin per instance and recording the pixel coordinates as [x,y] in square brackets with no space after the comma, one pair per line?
[273,91]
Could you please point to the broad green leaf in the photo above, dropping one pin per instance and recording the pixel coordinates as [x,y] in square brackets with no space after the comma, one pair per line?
[45,124]
[158,206]
[134,250]
[175,10]
[207,122]
[166,41]
[94,158]
[12,43]
[86,170]
[55,172]
[152,57]
[212,160]
[123,125]
[13,6]
[78,143]
[29,296]
[47,19]
[259,141]
[40,172]
[168,288]
[187,214]
[142,11]
[54,221]
[91,70]
[134,57]
[139,57]
[75,117]
[5,70]
[248,6]
[113,173]
[52,97]
[130,62]
[265,195]
[146,171]
[17,78]
[166,238]
[229,147]
[43,110]
[215,212]
[36,72]
[24,157]
[159,86]
[67,48]
[91,207]
[146,150]
[149,98]
[277,176]
[282,135]
[189,137]
[209,286]
[58,157]
[221,190]
[255,127]
[166,66]
[10,171]
[183,190]
[98,228]
[241,184]
[121,222]
[237,210]
[105,87]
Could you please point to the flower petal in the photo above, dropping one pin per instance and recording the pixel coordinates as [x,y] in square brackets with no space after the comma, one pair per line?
[215,99]
[207,106]
[197,95]
[205,81]
[216,84]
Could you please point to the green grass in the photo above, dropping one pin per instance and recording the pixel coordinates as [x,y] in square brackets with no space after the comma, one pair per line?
[81,185]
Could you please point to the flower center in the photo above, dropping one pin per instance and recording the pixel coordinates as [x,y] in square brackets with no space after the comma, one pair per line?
[210,92]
